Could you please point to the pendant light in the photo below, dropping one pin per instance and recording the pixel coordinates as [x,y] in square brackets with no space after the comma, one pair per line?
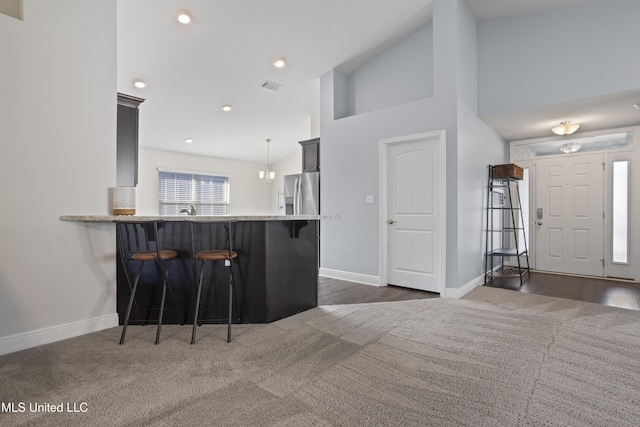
[565,128]
[570,147]
[267,175]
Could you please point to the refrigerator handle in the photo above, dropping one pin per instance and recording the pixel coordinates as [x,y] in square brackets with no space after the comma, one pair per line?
[297,197]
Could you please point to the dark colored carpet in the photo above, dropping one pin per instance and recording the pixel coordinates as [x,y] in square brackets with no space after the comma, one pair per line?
[495,358]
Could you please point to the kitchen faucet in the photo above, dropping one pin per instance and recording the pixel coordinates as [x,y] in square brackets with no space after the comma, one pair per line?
[190,211]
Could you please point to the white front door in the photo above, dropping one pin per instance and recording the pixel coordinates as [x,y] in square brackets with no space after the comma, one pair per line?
[569,219]
[413,214]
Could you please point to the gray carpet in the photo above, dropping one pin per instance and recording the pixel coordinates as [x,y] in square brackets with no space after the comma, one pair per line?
[495,358]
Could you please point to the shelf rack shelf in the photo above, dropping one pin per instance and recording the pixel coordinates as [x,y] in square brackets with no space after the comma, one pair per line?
[504,228]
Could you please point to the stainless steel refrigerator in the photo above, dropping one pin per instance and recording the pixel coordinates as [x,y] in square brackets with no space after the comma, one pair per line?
[302,194]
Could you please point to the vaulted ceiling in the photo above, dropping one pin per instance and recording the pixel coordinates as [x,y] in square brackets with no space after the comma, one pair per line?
[227,51]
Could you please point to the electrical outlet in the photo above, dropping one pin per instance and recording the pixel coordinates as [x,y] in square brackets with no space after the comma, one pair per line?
[368,198]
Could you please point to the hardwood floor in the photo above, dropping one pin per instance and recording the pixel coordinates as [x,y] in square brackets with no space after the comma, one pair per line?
[334,291]
[613,293]
[607,292]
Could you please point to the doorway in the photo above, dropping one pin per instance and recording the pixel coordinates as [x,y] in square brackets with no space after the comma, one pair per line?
[412,212]
[583,205]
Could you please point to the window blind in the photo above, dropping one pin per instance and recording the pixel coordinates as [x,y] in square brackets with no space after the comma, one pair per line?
[209,194]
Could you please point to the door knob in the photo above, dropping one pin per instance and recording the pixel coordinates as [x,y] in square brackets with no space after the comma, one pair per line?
[391,222]
[539,222]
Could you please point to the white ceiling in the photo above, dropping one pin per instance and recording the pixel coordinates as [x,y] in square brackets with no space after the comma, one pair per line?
[225,54]
[602,112]
[227,51]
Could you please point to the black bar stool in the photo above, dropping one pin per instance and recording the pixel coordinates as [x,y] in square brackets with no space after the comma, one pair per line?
[138,242]
[205,246]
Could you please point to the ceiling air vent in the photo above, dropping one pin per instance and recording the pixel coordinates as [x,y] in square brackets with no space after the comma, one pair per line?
[270,85]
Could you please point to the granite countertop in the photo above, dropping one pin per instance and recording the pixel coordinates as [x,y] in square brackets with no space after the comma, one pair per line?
[201,218]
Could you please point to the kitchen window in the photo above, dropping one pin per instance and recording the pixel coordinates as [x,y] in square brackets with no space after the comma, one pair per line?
[178,191]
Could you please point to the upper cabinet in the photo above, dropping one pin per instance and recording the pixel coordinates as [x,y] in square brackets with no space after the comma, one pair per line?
[310,155]
[127,141]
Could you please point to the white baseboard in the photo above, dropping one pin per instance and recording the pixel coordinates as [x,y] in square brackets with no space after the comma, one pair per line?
[375,281]
[13,343]
[351,277]
[458,293]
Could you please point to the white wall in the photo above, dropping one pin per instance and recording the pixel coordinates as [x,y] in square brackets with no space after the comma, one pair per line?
[559,55]
[248,195]
[57,156]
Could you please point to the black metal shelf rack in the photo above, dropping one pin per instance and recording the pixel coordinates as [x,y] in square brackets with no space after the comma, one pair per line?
[504,228]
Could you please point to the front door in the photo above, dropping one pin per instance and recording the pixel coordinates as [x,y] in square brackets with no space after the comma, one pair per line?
[413,214]
[569,219]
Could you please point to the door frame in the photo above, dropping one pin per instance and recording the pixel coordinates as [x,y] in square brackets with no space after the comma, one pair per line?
[634,195]
[384,144]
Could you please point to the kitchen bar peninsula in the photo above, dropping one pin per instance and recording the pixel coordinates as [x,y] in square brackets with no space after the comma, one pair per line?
[276,271]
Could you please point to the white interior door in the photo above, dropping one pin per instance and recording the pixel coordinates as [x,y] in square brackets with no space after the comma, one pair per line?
[413,214]
[569,220]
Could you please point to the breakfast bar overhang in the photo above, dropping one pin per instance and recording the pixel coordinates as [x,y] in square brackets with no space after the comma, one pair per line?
[277,269]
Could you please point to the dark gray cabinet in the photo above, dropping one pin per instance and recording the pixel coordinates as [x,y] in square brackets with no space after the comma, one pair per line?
[310,155]
[276,274]
[127,140]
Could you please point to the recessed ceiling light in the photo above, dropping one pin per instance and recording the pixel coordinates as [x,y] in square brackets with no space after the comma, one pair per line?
[139,84]
[188,140]
[226,107]
[184,18]
[279,63]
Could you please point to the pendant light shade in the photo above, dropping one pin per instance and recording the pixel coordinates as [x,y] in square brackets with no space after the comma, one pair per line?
[267,175]
[570,147]
[565,128]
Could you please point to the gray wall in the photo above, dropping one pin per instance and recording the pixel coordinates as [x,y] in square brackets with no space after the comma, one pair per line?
[399,75]
[349,159]
[560,55]
[468,58]
[350,148]
[478,146]
[479,69]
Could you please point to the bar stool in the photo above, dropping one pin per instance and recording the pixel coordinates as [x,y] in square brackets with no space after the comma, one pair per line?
[138,242]
[204,241]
